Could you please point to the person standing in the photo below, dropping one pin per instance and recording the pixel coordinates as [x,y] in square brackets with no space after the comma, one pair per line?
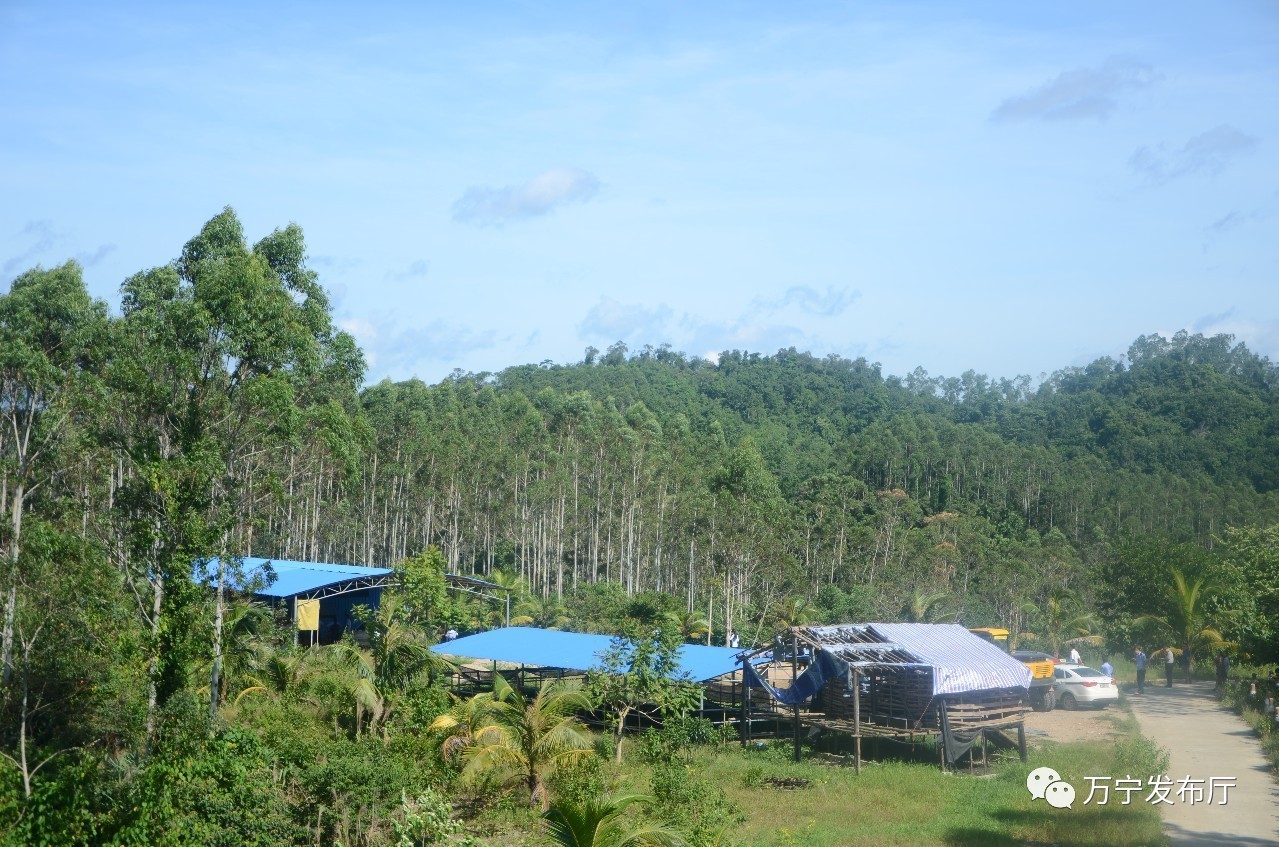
[1170,659]
[1139,658]
[1107,668]
[1074,656]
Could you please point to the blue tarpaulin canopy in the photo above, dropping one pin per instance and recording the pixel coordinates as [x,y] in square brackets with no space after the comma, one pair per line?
[579,651]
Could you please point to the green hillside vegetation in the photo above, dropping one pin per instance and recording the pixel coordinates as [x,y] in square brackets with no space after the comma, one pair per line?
[221,413]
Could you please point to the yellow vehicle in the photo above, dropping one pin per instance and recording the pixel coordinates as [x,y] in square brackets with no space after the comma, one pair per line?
[1043,692]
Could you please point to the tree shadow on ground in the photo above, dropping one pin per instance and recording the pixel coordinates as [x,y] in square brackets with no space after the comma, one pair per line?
[1099,828]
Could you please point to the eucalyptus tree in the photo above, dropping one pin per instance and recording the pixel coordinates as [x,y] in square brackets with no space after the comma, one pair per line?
[50,345]
[214,359]
[751,520]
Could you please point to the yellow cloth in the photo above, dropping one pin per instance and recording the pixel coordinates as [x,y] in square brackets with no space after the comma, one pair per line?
[308,614]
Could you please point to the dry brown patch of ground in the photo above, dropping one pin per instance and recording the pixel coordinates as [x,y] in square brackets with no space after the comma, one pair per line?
[1066,727]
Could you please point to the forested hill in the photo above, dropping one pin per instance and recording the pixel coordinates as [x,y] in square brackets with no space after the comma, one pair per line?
[796,472]
[1192,406]
[221,411]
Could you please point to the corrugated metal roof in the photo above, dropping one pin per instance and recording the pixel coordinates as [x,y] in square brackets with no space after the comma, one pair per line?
[293,578]
[960,660]
[579,651]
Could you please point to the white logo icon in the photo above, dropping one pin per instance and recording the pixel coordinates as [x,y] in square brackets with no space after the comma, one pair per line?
[1039,779]
[1060,795]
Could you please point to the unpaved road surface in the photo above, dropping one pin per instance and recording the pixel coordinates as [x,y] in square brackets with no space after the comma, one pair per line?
[1204,741]
[1068,727]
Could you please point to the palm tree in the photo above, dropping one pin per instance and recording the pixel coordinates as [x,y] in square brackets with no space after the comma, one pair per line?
[793,612]
[459,726]
[692,626]
[525,740]
[542,612]
[283,674]
[396,658]
[246,632]
[920,606]
[1185,621]
[599,822]
[1060,622]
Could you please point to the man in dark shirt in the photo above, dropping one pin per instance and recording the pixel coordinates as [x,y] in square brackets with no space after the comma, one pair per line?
[1139,658]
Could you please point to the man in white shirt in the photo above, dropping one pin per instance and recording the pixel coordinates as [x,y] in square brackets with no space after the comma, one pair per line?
[1074,655]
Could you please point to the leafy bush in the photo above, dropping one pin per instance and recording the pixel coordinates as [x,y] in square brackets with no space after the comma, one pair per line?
[677,734]
[1237,696]
[582,780]
[696,806]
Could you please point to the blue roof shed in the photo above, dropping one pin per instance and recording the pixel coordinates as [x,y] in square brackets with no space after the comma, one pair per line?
[579,651]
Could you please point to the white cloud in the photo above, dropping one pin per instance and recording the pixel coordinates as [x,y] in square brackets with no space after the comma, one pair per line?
[44,236]
[1208,152]
[416,270]
[401,351]
[88,259]
[835,301]
[488,206]
[366,333]
[1261,336]
[1079,94]
[1241,219]
[610,320]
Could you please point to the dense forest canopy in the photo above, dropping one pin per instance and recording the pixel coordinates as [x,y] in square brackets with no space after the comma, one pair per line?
[221,413]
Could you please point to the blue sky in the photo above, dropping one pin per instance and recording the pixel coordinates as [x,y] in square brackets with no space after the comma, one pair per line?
[1011,188]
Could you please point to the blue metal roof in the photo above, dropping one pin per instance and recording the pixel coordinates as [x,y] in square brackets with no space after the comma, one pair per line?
[579,651]
[293,578]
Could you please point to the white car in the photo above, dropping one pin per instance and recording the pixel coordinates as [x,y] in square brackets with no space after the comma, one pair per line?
[1079,685]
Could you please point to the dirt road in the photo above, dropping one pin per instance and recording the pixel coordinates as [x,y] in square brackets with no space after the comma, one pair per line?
[1205,741]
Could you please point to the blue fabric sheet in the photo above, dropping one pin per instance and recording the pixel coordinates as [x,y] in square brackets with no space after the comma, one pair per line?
[823,667]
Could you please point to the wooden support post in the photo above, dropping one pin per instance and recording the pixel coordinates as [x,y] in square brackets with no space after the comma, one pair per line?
[1021,740]
[857,720]
[945,731]
[794,677]
[746,708]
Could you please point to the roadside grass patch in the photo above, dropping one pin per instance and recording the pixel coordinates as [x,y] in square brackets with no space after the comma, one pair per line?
[901,803]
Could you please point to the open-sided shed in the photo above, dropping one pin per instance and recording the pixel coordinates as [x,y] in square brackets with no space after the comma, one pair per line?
[319,596]
[900,680]
[576,651]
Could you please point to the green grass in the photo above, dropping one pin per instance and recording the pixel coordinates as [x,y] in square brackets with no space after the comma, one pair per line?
[901,803]
[1250,708]
[914,803]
